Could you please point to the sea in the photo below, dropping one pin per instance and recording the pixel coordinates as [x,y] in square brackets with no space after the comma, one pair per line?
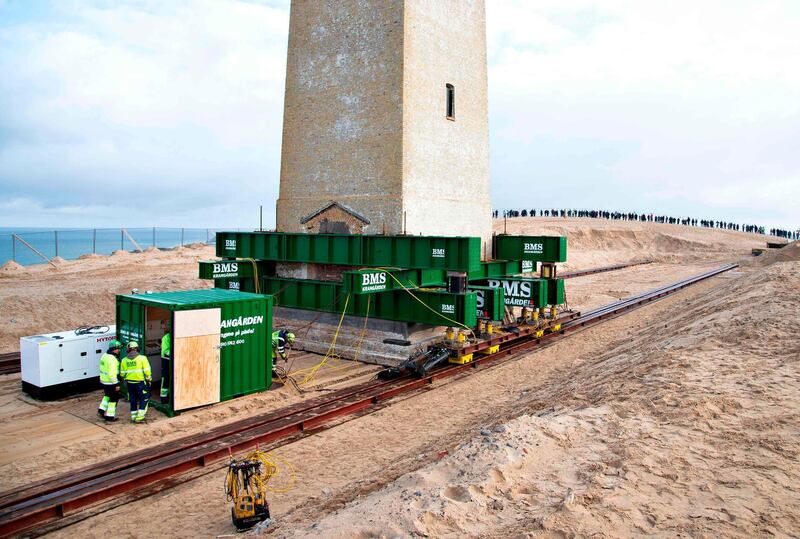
[71,243]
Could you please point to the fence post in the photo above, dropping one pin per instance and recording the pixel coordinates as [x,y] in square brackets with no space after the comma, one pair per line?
[121,240]
[13,247]
[182,237]
[154,236]
[206,235]
[55,232]
[94,241]
[32,248]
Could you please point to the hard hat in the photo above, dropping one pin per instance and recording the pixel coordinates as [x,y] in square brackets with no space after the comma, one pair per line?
[114,344]
[133,344]
[290,337]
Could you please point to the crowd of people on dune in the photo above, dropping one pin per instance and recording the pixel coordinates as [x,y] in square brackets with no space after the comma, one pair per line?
[650,218]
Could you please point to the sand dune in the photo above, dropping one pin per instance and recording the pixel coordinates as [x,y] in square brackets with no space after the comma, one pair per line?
[689,428]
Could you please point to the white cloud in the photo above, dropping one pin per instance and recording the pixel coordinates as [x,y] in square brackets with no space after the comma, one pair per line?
[168,108]
[647,103]
[691,108]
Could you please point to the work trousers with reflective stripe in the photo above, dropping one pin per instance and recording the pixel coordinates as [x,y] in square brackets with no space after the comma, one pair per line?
[109,403]
[165,380]
[139,394]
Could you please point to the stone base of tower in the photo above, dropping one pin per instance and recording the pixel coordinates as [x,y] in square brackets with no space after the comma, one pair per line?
[315,331]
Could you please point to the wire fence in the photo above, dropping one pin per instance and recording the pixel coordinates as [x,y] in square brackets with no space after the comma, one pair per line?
[36,247]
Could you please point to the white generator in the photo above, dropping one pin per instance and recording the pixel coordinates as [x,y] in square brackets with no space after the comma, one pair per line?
[65,363]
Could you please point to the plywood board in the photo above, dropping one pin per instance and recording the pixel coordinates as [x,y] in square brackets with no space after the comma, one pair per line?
[196,367]
[21,438]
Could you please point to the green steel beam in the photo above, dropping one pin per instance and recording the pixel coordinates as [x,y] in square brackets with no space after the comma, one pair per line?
[520,291]
[491,302]
[437,307]
[227,269]
[501,268]
[533,248]
[369,281]
[555,292]
[409,252]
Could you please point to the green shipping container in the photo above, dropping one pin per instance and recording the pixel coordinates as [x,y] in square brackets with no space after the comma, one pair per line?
[534,248]
[555,291]
[221,342]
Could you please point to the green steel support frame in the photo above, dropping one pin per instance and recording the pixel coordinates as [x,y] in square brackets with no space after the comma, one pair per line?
[409,252]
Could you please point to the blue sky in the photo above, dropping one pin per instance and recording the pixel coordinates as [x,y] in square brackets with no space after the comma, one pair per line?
[170,113]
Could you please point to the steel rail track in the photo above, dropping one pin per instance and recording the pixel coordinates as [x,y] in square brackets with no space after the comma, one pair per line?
[9,363]
[50,500]
[602,269]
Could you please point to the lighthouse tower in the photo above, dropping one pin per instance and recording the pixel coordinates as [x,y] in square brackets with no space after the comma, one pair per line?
[385,125]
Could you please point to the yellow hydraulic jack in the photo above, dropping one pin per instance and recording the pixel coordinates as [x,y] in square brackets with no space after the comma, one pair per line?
[458,358]
[494,348]
[490,351]
[553,316]
[450,336]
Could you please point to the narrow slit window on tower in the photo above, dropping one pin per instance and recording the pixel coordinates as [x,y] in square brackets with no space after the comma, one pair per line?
[451,101]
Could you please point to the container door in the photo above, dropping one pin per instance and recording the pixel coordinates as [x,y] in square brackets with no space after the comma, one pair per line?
[195,353]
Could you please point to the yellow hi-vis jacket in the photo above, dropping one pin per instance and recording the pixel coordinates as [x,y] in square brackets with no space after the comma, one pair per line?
[109,369]
[135,369]
[166,345]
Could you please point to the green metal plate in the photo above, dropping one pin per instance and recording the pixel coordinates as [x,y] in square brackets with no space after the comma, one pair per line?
[533,248]
[520,291]
[409,252]
[435,307]
[555,291]
[370,281]
[490,302]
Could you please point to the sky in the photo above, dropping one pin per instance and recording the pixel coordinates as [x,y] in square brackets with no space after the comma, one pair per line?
[169,113]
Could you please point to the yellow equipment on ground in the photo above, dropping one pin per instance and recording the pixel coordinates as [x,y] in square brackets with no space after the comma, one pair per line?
[246,485]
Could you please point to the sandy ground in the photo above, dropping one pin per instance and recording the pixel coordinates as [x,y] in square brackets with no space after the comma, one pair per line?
[686,429]
[611,431]
[44,299]
[68,435]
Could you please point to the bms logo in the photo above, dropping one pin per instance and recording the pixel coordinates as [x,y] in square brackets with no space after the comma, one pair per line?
[371,282]
[527,266]
[437,253]
[513,289]
[225,269]
[448,308]
[533,248]
[233,285]
[368,279]
[230,245]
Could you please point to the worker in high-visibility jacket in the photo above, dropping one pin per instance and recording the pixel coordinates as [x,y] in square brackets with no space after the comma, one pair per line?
[135,370]
[166,354]
[109,372]
[280,339]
